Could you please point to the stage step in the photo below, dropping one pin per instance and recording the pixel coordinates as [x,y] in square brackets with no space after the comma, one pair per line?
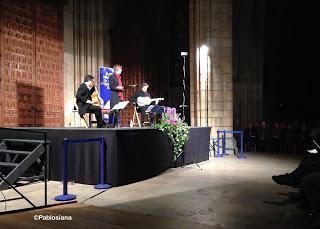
[17,156]
[24,141]
[15,151]
[8,164]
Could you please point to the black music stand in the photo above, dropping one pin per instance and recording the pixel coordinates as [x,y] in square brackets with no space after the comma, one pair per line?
[156,109]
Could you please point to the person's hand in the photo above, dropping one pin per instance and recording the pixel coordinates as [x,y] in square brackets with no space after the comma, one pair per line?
[101,101]
[89,101]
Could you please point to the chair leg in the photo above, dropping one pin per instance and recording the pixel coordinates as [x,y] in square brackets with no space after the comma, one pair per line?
[133,115]
[137,116]
[84,121]
[90,124]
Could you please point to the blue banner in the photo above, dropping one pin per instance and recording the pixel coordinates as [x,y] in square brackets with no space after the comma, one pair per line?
[105,73]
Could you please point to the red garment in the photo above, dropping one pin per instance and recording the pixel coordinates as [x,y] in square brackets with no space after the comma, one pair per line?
[120,93]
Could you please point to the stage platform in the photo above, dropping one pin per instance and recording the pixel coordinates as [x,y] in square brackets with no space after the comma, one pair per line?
[133,154]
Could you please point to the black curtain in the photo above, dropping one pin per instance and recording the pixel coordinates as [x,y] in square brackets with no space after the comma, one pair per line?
[248,36]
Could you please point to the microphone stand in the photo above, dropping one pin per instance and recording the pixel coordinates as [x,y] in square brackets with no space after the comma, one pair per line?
[183,106]
[184,87]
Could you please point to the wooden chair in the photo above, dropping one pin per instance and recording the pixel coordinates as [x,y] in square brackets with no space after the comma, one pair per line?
[87,120]
[135,116]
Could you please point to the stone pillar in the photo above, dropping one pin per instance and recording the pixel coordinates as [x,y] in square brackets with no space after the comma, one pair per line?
[83,47]
[211,102]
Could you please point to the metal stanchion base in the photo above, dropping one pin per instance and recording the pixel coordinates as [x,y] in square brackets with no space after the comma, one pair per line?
[103,186]
[241,157]
[65,197]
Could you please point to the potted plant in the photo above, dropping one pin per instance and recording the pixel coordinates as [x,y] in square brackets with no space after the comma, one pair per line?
[176,129]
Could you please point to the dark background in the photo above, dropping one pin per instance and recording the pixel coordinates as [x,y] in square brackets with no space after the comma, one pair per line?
[289,55]
[163,27]
[291,60]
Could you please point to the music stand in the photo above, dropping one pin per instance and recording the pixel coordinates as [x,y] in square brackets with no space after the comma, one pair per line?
[156,109]
[116,108]
[120,105]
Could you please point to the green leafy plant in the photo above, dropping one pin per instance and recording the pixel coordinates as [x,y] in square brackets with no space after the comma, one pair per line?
[176,130]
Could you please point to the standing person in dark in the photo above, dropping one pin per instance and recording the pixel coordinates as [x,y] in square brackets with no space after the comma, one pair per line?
[84,100]
[143,93]
[116,94]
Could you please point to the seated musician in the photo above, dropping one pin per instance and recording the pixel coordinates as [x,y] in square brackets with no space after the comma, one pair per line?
[143,99]
[98,101]
[84,100]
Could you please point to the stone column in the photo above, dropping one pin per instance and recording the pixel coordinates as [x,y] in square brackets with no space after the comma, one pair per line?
[83,48]
[211,102]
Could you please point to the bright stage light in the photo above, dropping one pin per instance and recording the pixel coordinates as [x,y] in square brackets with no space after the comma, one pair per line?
[204,50]
[204,63]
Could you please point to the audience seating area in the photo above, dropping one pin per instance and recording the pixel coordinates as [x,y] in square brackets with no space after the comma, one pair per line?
[290,137]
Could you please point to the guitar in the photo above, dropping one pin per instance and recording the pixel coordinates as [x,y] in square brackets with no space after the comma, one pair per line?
[95,97]
[144,101]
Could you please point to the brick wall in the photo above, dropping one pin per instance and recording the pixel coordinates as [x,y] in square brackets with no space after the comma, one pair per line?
[31,57]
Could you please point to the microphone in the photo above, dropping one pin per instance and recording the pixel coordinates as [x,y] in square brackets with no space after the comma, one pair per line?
[184,54]
[183,106]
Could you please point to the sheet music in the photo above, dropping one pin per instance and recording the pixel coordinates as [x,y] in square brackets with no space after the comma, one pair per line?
[120,105]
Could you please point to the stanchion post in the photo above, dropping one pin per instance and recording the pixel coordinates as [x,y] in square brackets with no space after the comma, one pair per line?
[224,143]
[218,144]
[65,196]
[103,169]
[241,146]
[45,170]
[218,134]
